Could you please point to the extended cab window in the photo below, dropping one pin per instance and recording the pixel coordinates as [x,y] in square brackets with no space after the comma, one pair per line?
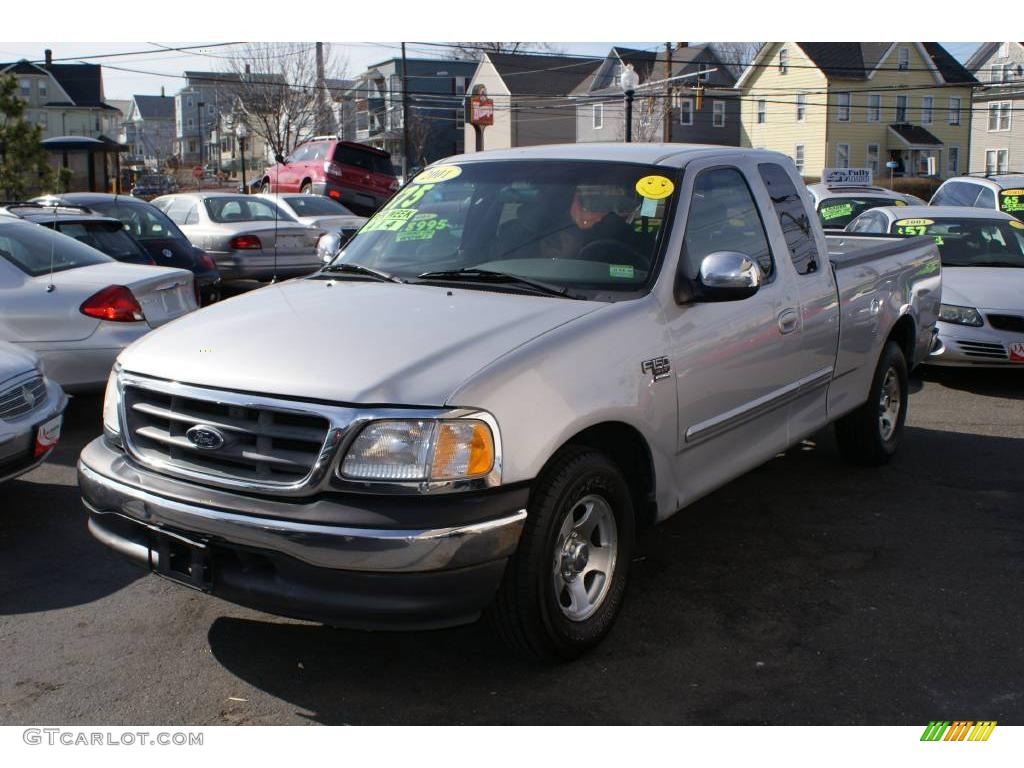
[956,193]
[724,217]
[793,218]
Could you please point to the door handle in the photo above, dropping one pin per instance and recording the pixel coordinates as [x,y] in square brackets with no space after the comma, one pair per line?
[788,320]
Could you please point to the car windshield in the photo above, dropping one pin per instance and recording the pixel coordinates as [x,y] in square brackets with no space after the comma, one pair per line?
[143,222]
[316,205]
[1011,201]
[106,236]
[150,181]
[225,210]
[28,247]
[593,227]
[837,212]
[970,242]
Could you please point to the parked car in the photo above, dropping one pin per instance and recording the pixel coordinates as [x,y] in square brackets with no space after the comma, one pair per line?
[477,413]
[31,412]
[1003,192]
[981,322]
[245,236]
[152,185]
[358,176]
[155,232]
[838,205]
[337,222]
[76,307]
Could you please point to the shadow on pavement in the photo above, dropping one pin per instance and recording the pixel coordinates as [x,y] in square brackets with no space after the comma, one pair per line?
[992,382]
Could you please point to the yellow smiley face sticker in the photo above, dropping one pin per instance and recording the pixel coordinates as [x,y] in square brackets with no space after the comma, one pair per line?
[438,174]
[655,187]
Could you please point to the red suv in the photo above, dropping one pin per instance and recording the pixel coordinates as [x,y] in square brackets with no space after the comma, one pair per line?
[359,176]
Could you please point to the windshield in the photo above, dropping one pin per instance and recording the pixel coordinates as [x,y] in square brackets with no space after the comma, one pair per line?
[316,205]
[970,242]
[837,212]
[28,247]
[143,222]
[225,210]
[592,227]
[1011,201]
[106,236]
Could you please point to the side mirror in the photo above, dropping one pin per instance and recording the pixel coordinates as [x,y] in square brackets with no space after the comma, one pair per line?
[728,276]
[279,158]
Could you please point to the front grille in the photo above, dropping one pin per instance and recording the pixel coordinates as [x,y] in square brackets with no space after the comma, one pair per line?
[262,444]
[983,349]
[22,398]
[1013,323]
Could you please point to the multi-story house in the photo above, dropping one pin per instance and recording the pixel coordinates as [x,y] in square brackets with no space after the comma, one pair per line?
[437,90]
[997,127]
[863,105]
[711,118]
[148,130]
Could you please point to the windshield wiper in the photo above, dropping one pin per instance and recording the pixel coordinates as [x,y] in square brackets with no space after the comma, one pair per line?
[359,269]
[472,274]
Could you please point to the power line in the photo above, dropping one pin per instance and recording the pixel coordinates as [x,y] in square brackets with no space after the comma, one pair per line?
[133,53]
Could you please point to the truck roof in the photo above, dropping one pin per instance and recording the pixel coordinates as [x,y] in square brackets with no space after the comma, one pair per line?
[943,212]
[676,155]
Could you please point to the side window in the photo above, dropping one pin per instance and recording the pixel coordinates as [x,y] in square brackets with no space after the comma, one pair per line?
[956,193]
[793,218]
[193,215]
[299,155]
[868,222]
[724,217]
[986,199]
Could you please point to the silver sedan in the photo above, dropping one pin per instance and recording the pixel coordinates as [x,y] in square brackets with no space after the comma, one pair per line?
[247,237]
[337,221]
[31,412]
[77,308]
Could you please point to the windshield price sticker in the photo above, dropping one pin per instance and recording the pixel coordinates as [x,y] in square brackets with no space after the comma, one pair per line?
[390,221]
[621,270]
[655,187]
[836,211]
[1012,200]
[898,202]
[913,226]
[438,174]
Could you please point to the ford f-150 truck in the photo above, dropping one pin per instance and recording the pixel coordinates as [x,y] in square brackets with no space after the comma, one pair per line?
[524,357]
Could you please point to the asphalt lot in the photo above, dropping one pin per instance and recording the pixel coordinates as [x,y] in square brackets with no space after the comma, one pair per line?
[805,592]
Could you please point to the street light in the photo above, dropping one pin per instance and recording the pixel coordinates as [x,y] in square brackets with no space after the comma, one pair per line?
[242,132]
[629,80]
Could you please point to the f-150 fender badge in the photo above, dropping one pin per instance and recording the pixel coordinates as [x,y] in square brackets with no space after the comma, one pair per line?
[658,367]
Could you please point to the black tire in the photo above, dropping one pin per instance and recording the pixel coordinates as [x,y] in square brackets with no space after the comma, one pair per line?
[306,188]
[862,434]
[528,612]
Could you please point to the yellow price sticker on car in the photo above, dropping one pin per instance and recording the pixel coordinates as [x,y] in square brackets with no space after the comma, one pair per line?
[655,187]
[898,202]
[1016,225]
[914,222]
[438,174]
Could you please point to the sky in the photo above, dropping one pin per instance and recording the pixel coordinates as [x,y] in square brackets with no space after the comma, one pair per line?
[168,66]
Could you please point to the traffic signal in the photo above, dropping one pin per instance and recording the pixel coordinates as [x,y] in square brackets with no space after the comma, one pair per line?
[698,97]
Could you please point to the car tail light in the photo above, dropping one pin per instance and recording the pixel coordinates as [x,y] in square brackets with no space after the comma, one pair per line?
[115,303]
[332,169]
[245,243]
[206,262]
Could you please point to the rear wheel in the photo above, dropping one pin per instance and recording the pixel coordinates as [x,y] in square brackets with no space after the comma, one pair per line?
[306,188]
[265,189]
[870,435]
[565,585]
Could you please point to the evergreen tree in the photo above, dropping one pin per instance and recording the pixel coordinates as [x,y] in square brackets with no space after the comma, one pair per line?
[25,167]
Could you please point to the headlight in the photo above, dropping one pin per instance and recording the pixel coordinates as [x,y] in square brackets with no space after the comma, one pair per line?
[112,406]
[327,246]
[951,313]
[421,450]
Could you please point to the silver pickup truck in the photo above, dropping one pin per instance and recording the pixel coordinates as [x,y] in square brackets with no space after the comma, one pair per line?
[519,361]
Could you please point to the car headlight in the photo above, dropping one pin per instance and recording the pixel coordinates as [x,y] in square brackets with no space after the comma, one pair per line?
[951,313]
[421,450]
[327,246]
[112,406]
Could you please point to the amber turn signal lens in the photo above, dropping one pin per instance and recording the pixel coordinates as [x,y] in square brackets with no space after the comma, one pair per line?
[464,448]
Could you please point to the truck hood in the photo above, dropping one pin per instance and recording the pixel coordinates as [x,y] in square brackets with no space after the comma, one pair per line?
[15,361]
[351,341]
[984,287]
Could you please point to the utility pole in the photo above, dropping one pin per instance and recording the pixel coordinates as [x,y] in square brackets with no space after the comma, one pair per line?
[199,114]
[667,111]
[321,86]
[405,116]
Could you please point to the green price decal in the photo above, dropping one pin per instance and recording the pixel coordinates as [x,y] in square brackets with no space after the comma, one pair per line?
[836,211]
[1012,200]
[911,231]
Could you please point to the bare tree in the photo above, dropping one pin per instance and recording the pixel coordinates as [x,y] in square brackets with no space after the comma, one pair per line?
[649,117]
[419,136]
[736,56]
[474,51]
[276,88]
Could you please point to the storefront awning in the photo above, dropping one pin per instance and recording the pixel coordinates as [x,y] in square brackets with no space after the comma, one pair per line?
[908,136]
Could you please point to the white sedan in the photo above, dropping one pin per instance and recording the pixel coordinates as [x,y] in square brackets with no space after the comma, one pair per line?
[77,308]
[337,221]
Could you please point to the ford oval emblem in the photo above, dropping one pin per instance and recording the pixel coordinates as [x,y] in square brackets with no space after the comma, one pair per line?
[205,438]
[167,253]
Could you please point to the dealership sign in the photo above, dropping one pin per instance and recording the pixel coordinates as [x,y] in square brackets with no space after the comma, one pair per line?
[849,177]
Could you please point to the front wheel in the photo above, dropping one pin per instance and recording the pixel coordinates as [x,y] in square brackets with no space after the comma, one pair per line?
[265,189]
[565,585]
[870,435]
[306,189]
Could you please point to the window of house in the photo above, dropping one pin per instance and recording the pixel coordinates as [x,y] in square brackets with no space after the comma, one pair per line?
[783,61]
[25,87]
[723,217]
[210,109]
[460,118]
[903,58]
[874,107]
[1004,117]
[762,111]
[43,88]
[954,110]
[842,155]
[191,123]
[843,110]
[798,158]
[793,219]
[459,86]
[927,107]
[901,109]
[191,145]
[1002,160]
[718,114]
[953,161]
[686,111]
[996,161]
[873,155]
[801,107]
[188,101]
[598,117]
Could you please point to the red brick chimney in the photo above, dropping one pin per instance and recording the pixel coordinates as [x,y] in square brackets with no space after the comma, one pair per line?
[49,56]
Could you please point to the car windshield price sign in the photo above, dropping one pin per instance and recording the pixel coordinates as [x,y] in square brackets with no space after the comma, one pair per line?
[847,177]
[1012,201]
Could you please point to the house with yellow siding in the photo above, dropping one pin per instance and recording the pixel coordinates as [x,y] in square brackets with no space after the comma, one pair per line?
[859,105]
